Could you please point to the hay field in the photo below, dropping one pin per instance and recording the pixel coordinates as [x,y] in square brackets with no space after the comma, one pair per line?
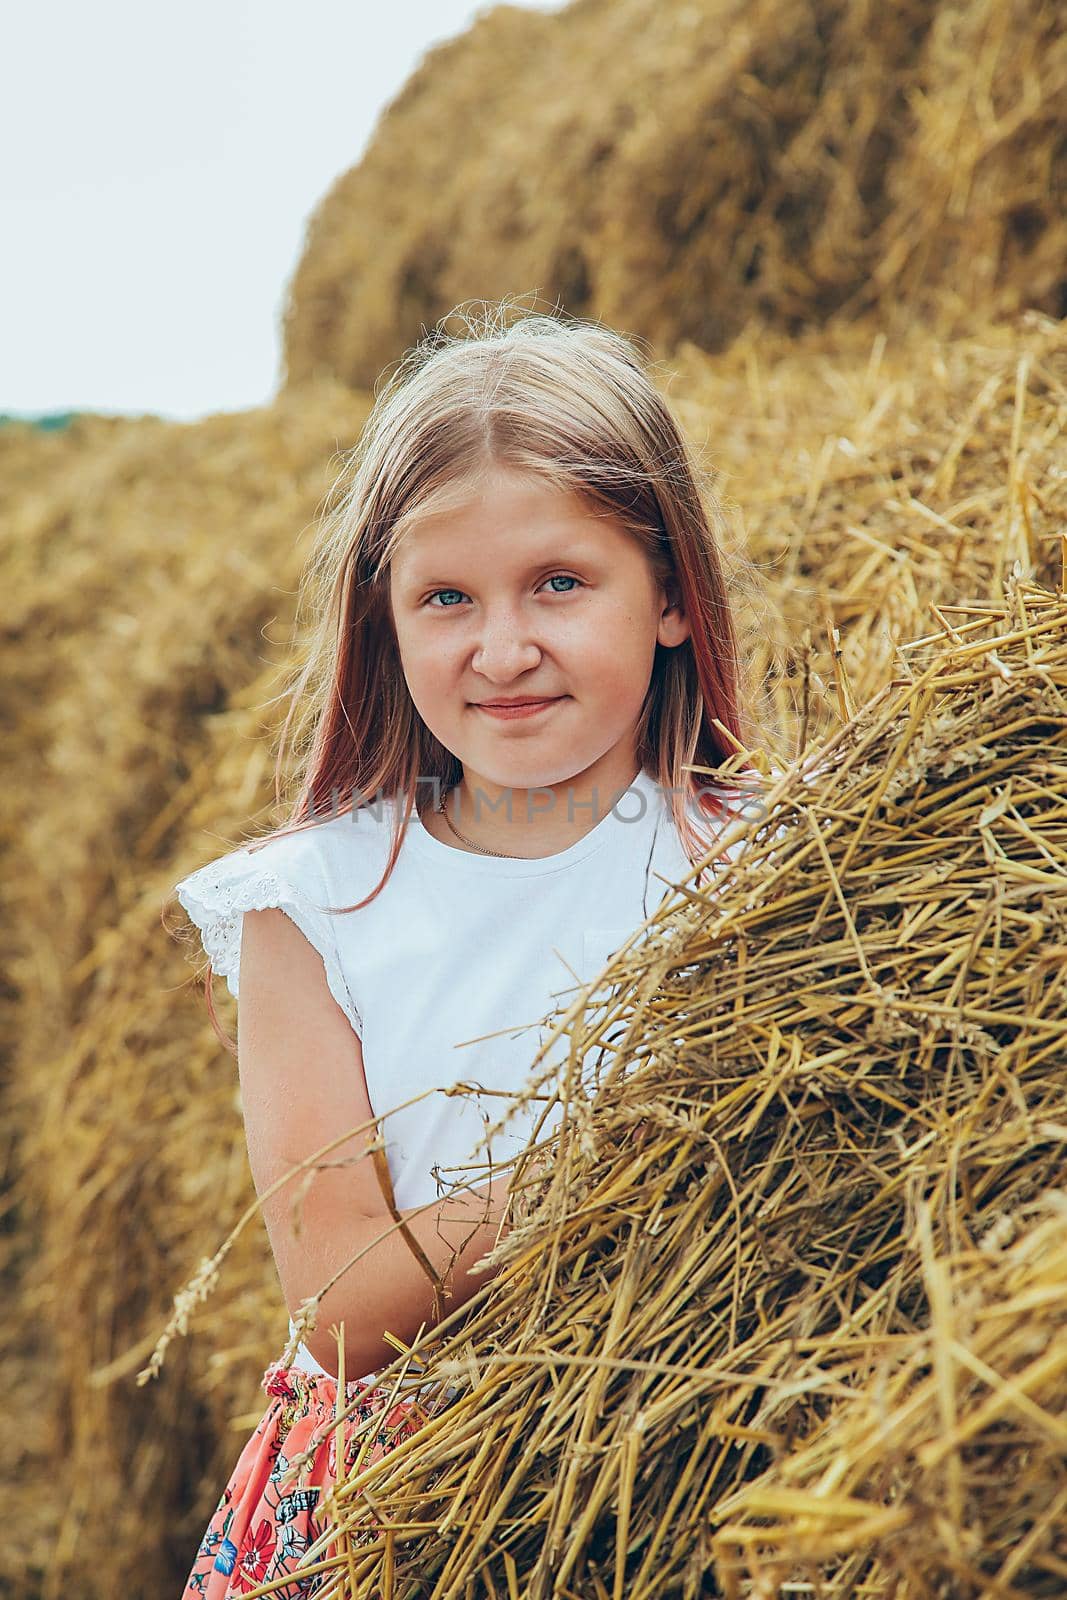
[846,241]
[682,168]
[786,1309]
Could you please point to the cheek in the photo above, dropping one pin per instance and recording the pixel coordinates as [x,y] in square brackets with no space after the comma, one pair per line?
[416,662]
[620,645]
[418,647]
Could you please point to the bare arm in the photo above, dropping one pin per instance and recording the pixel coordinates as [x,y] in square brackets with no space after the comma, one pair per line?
[388,1288]
[302,1084]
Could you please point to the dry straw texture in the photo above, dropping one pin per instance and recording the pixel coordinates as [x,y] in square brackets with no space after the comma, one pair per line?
[148,586]
[812,1326]
[678,168]
[871,479]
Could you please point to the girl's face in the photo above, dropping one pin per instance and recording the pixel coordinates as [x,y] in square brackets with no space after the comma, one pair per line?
[524,592]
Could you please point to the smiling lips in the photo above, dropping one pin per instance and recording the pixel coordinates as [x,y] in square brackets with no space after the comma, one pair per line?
[517,708]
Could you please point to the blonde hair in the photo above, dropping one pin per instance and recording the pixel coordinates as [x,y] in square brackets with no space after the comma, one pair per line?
[567,400]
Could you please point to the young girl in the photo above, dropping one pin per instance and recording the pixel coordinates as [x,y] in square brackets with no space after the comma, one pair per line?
[525,648]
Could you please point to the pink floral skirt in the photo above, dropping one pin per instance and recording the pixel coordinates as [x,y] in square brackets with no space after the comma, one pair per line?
[266,1518]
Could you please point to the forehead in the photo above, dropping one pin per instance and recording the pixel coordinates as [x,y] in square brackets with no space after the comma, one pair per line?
[509,516]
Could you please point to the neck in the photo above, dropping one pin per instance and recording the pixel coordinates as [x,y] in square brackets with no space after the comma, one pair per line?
[530,823]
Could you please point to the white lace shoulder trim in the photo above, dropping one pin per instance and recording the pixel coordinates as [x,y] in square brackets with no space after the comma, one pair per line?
[217,895]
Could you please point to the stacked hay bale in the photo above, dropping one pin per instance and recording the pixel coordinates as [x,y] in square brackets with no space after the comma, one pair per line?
[149,582]
[681,168]
[700,169]
[906,472]
[834,455]
[809,1333]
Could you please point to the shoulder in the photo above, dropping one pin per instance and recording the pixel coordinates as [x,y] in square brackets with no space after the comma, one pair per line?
[730,808]
[742,794]
[724,801]
[295,872]
[311,860]
[276,871]
[256,868]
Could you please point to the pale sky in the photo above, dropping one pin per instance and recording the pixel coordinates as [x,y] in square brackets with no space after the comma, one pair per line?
[160,165]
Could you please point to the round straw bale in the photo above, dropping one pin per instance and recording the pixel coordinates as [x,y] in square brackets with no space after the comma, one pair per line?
[810,1327]
[681,168]
[148,583]
[151,572]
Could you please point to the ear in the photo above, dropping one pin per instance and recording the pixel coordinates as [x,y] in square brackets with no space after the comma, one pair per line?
[674,626]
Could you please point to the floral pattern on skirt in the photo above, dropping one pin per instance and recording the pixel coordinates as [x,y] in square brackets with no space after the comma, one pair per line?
[266,1516]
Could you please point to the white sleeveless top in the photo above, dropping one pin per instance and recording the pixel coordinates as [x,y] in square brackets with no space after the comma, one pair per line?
[455,947]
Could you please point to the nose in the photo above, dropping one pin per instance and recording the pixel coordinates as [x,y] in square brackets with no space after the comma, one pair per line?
[506,648]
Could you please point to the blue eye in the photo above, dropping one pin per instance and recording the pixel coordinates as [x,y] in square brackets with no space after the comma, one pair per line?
[564,575]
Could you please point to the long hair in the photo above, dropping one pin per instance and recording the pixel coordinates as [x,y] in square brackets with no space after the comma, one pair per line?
[572,402]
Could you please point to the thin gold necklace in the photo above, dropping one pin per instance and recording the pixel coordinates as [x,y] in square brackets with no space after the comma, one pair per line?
[479,847]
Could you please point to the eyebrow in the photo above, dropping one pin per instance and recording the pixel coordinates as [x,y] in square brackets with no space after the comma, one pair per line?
[578,555]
